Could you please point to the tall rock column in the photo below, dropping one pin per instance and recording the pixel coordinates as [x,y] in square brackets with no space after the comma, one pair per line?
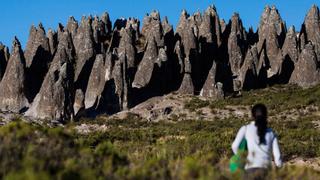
[311,30]
[56,96]
[236,48]
[306,72]
[290,53]
[4,57]
[271,36]
[38,58]
[12,87]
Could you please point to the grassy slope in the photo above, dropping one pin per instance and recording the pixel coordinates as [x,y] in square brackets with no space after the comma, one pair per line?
[132,148]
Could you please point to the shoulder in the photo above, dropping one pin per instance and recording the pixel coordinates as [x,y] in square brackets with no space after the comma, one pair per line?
[245,127]
[271,132]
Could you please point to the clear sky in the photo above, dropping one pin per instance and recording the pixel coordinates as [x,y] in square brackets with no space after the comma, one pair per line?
[18,15]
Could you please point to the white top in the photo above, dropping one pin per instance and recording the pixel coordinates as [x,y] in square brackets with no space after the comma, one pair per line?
[259,155]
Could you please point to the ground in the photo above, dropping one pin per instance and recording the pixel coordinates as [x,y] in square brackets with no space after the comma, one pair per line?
[169,137]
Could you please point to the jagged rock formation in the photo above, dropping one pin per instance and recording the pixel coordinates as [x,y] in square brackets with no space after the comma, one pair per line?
[4,57]
[12,86]
[92,67]
[38,57]
[306,72]
[271,35]
[55,99]
[311,30]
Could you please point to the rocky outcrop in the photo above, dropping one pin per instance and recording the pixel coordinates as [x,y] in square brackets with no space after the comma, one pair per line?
[91,68]
[53,41]
[96,82]
[291,45]
[211,88]
[56,96]
[271,36]
[311,30]
[306,72]
[38,58]
[4,57]
[12,86]
[152,28]
[84,47]
[250,69]
[236,44]
[146,66]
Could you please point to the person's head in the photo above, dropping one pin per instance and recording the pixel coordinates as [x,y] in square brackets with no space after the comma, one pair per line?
[260,114]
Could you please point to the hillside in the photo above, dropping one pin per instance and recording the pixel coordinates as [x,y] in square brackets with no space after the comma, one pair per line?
[185,138]
[95,67]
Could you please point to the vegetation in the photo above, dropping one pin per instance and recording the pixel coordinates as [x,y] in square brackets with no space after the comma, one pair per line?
[278,98]
[133,148]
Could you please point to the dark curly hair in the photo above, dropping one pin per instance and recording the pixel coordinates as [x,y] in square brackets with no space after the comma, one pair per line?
[260,114]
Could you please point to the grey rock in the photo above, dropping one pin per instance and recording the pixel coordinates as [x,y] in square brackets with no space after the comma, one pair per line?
[55,99]
[105,18]
[249,71]
[211,88]
[96,82]
[167,28]
[84,46]
[12,86]
[186,85]
[135,25]
[189,43]
[126,46]
[78,105]
[179,54]
[152,27]
[38,58]
[53,41]
[223,26]
[291,45]
[236,44]
[306,72]
[311,30]
[146,67]
[101,31]
[271,32]
[37,46]
[121,85]
[210,28]
[72,26]
[3,60]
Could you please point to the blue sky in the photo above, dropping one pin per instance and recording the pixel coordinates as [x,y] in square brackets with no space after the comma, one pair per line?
[18,15]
